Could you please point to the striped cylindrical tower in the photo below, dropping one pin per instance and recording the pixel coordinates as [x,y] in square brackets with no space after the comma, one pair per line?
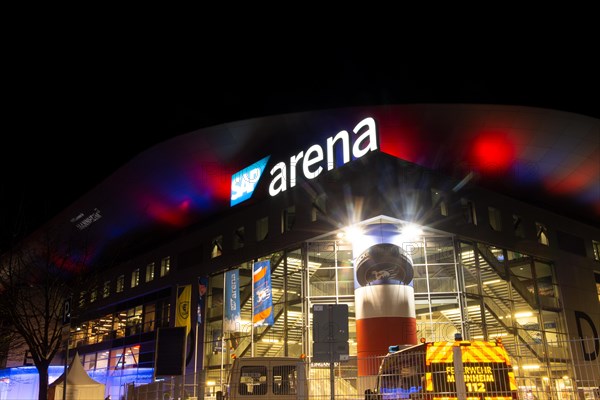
[384,298]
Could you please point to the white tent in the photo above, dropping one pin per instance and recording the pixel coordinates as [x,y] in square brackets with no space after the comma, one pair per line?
[80,386]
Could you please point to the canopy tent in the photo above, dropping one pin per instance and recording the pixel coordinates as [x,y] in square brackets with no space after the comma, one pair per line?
[80,386]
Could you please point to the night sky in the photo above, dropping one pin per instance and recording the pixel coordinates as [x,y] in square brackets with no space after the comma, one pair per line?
[70,121]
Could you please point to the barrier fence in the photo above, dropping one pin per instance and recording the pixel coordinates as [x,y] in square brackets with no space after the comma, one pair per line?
[573,376]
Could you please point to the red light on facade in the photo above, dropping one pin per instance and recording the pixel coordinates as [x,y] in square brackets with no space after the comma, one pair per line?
[578,179]
[403,138]
[161,211]
[214,180]
[184,205]
[493,153]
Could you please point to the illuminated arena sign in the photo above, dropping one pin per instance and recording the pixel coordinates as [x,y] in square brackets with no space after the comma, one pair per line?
[313,160]
[244,182]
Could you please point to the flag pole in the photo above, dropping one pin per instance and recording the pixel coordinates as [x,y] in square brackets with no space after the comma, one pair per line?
[183,319]
[223,328]
[185,352]
[252,313]
[198,316]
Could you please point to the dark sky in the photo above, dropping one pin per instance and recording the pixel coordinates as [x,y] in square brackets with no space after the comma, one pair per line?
[73,119]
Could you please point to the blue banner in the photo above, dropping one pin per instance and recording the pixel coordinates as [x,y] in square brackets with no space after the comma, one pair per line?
[262,304]
[232,316]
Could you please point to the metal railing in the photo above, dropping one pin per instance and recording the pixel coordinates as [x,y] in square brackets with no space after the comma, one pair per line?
[577,378]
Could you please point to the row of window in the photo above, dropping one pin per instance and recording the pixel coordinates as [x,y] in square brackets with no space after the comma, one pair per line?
[438,198]
[288,219]
[132,321]
[287,222]
[149,274]
[165,266]
[115,359]
[573,244]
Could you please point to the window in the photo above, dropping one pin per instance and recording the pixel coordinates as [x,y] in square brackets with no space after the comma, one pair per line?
[253,380]
[165,265]
[134,321]
[149,272]
[120,283]
[82,298]
[319,207]
[542,233]
[438,201]
[124,357]
[119,324]
[285,379]
[495,218]
[216,247]
[106,289]
[469,213]
[89,361]
[288,218]
[518,226]
[102,361]
[135,278]
[162,313]
[596,249]
[93,295]
[597,276]
[262,229]
[238,238]
[149,317]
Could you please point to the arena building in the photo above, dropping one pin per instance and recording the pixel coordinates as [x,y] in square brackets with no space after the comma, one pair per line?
[426,220]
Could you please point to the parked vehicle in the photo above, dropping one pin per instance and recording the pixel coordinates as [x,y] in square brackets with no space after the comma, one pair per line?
[429,370]
[266,378]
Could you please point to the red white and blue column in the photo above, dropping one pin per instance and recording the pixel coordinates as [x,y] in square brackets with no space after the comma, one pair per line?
[384,296]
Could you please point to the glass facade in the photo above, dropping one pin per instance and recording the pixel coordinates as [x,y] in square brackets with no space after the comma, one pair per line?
[121,324]
[481,291]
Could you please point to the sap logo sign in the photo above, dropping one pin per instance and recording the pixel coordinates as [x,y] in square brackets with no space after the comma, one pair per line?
[312,160]
[244,182]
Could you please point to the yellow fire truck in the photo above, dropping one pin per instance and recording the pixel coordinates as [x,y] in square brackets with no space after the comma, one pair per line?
[433,371]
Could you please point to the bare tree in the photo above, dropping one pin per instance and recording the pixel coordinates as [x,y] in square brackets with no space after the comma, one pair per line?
[34,282]
[9,339]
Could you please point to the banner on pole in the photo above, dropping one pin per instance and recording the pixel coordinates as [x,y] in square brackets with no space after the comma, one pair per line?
[262,305]
[231,323]
[182,315]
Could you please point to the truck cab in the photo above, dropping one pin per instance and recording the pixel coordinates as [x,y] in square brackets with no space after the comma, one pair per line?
[481,370]
[266,378]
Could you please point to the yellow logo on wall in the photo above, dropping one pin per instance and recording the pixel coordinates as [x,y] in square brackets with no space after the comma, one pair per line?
[184,310]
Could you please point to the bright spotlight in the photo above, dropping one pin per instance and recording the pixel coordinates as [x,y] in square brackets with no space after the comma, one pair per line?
[353,234]
[412,231]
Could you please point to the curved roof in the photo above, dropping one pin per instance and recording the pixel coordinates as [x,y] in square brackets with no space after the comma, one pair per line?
[547,157]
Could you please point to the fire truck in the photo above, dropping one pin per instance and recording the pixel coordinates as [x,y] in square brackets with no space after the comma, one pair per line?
[462,369]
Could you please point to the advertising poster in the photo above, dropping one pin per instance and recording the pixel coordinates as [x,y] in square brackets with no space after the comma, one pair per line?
[262,304]
[232,317]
